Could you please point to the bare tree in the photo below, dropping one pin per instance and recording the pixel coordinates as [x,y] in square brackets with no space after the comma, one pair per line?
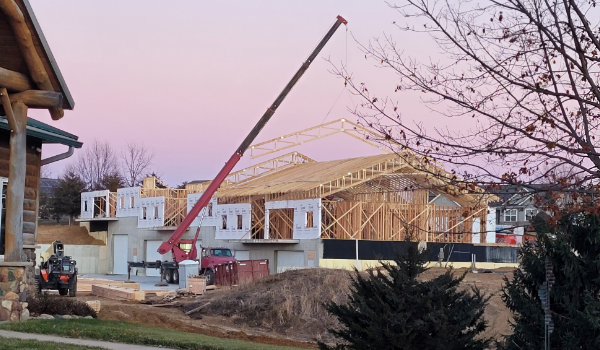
[137,160]
[98,162]
[47,172]
[521,78]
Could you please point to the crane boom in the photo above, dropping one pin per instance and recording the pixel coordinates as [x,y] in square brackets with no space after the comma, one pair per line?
[171,244]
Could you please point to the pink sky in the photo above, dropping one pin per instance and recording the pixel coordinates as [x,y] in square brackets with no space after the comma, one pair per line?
[189,79]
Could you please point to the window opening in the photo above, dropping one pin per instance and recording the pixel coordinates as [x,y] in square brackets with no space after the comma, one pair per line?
[239,222]
[309,219]
[144,213]
[224,223]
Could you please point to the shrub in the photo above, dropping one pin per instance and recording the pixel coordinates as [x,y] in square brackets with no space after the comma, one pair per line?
[45,303]
[389,308]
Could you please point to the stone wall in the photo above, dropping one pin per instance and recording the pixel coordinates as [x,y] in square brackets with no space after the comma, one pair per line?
[13,291]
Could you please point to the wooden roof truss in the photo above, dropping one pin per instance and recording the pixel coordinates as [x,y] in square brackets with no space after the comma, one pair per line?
[354,130]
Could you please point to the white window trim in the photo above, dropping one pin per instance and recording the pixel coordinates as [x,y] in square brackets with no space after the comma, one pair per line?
[508,215]
[533,211]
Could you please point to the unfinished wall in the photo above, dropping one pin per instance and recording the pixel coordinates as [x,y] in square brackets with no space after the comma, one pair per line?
[91,259]
[128,202]
[151,212]
[232,221]
[137,240]
[306,217]
[95,203]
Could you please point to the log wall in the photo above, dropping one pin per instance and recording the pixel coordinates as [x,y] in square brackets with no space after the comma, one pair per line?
[32,185]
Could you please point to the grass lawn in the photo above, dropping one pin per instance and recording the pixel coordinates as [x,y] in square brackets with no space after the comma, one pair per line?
[123,332]
[18,344]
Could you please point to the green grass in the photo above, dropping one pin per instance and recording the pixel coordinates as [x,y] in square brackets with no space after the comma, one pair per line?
[131,333]
[18,344]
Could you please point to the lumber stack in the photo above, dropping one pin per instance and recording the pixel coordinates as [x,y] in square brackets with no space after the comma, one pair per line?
[84,285]
[118,293]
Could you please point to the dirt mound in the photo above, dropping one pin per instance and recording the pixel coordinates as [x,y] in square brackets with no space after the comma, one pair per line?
[71,235]
[289,303]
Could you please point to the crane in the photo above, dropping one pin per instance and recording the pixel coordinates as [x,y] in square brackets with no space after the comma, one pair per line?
[172,244]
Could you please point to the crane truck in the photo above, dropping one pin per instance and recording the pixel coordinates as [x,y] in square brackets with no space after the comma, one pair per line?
[186,250]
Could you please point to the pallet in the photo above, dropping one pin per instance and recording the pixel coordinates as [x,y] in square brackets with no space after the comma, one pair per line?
[118,293]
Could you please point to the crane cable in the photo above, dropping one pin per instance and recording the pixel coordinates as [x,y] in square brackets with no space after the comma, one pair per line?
[344,88]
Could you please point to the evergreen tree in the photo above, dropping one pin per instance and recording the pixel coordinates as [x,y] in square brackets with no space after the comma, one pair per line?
[67,195]
[391,309]
[573,247]
[111,182]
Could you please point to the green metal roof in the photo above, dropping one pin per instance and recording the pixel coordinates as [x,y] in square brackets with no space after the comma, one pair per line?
[45,132]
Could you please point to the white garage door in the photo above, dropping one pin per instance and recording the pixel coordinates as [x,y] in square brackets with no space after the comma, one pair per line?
[242,255]
[153,255]
[120,243]
[289,260]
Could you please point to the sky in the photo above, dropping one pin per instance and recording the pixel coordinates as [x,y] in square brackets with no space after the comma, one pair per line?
[189,79]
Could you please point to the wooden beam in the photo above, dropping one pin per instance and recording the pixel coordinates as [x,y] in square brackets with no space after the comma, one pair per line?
[39,98]
[15,192]
[14,81]
[34,63]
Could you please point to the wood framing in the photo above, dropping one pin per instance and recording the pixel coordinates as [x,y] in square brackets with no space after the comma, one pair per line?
[268,167]
[318,132]
[381,197]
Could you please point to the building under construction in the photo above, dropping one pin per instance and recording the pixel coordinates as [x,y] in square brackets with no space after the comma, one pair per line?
[298,212]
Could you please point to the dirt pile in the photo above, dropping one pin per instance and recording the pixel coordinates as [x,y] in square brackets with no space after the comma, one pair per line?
[71,235]
[289,303]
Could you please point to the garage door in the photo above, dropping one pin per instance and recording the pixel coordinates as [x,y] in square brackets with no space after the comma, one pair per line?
[153,255]
[120,243]
[289,260]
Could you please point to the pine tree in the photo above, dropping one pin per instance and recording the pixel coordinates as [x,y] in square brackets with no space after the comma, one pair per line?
[573,247]
[392,309]
[67,195]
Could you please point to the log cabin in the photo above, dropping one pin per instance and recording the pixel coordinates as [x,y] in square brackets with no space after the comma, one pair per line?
[29,79]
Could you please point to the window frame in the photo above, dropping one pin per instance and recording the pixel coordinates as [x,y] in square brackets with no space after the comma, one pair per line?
[533,211]
[508,215]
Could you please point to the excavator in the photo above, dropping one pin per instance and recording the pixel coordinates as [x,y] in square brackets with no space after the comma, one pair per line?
[186,250]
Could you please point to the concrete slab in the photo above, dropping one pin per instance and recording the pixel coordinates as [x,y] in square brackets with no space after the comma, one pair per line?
[146,283]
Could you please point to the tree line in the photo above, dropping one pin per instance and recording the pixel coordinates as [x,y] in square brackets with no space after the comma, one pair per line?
[99,167]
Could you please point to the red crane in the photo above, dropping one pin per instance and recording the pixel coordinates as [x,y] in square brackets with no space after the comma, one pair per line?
[172,243]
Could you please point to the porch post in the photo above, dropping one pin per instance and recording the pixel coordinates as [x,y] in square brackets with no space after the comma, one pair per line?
[17,120]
